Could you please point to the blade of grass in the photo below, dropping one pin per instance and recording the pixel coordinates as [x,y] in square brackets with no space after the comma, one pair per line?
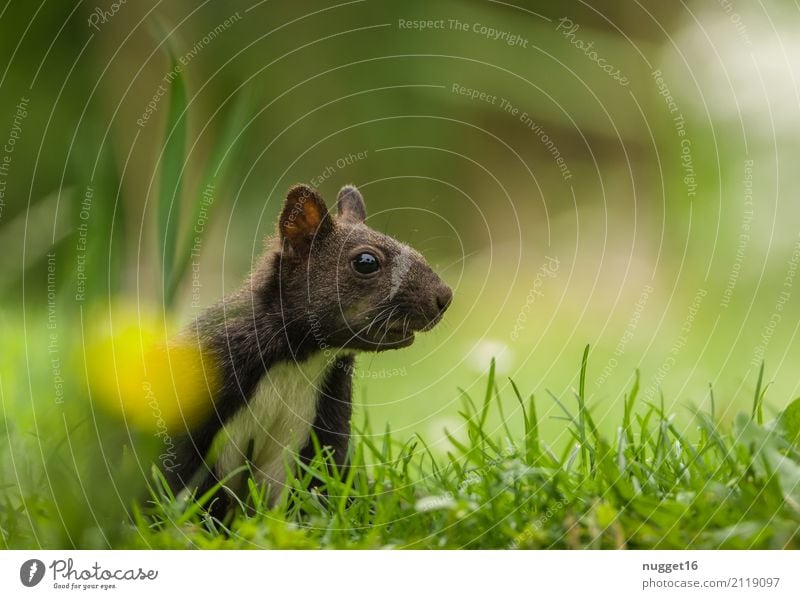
[170,179]
[216,171]
[758,400]
[488,397]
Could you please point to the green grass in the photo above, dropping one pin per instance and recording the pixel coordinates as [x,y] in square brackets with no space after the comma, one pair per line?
[648,486]
[71,476]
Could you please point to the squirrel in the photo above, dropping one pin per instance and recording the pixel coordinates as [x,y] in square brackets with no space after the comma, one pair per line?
[326,288]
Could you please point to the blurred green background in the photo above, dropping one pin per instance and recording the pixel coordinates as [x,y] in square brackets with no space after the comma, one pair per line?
[618,175]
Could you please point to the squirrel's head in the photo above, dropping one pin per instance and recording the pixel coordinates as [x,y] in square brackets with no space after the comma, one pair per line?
[344,285]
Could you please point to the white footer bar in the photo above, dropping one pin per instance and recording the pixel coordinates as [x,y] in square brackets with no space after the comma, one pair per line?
[354,574]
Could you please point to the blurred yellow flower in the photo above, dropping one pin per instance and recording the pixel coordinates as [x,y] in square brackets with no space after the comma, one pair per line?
[156,384]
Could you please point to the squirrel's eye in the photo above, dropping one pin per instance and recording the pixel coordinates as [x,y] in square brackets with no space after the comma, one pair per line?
[366,264]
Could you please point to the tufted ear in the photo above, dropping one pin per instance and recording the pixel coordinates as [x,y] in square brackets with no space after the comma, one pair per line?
[304,220]
[351,205]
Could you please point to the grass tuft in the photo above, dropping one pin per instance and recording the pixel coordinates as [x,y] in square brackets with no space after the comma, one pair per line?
[646,485]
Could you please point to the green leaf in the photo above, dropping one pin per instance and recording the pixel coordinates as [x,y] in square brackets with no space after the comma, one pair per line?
[170,178]
[789,421]
[758,400]
[223,156]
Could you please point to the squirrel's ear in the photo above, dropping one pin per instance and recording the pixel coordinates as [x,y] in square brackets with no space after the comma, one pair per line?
[304,219]
[351,205]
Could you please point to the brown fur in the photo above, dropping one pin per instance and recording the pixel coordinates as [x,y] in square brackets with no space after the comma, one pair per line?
[306,298]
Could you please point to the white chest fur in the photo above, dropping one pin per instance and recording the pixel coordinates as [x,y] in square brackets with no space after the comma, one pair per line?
[277,420]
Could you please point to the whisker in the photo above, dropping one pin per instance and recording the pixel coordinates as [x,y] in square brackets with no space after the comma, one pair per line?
[377,318]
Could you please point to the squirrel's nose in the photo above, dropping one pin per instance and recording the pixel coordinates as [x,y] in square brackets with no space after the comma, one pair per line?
[443,298]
